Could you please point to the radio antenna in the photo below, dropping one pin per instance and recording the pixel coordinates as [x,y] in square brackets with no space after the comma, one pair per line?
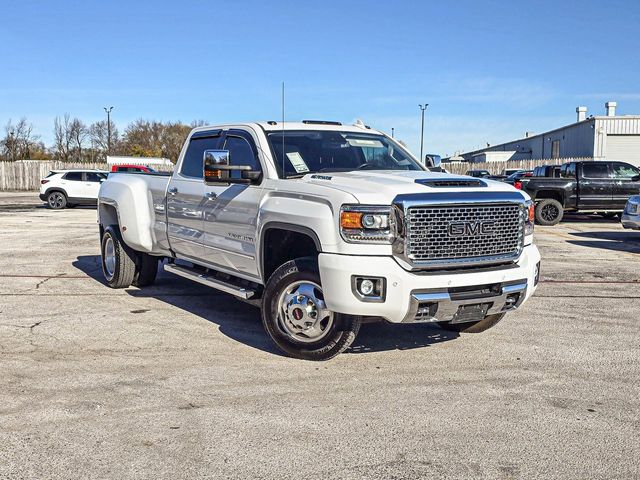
[284,174]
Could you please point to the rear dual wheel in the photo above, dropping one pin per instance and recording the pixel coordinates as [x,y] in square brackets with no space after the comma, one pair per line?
[122,266]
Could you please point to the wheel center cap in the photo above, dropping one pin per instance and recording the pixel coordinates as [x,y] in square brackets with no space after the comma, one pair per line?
[302,312]
[297,313]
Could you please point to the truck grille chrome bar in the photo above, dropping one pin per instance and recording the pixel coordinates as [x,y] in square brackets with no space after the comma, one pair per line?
[460,230]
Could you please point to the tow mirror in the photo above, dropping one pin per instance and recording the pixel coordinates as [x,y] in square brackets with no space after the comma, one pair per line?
[217,168]
[432,161]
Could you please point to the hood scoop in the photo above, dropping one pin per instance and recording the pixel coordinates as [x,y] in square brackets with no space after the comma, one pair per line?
[448,183]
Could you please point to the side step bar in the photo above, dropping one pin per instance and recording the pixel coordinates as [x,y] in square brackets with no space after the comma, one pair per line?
[209,281]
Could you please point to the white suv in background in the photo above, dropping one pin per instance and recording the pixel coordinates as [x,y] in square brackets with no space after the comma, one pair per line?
[68,188]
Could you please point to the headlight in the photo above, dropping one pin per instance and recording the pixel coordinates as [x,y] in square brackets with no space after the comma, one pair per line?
[633,208]
[366,224]
[530,212]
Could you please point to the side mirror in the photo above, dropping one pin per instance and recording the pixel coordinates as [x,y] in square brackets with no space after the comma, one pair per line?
[433,161]
[217,168]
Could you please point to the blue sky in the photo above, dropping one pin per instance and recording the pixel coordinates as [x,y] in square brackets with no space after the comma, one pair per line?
[490,70]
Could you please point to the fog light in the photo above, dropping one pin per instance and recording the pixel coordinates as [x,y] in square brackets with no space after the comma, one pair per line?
[366,287]
[369,289]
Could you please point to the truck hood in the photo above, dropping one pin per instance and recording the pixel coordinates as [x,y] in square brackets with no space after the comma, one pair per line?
[382,186]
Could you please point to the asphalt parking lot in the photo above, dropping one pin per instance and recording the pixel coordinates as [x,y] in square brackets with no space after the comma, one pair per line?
[179,381]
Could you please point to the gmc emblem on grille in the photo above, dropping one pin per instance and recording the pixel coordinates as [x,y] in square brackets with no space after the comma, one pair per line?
[471,229]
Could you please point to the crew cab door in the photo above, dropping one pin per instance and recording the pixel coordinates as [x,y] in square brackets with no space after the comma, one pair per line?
[626,183]
[185,197]
[231,211]
[595,186]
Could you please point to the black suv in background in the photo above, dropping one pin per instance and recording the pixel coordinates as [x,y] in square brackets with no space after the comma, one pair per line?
[586,187]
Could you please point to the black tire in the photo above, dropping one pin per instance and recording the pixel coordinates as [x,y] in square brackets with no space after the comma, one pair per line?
[549,212]
[146,270]
[118,260]
[57,200]
[336,336]
[473,327]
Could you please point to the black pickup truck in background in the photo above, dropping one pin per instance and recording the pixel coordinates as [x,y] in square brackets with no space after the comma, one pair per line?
[585,187]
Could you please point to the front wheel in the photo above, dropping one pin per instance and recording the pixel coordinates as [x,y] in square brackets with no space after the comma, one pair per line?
[296,317]
[549,212]
[473,327]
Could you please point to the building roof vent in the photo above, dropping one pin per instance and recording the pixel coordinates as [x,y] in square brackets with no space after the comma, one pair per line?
[611,108]
[582,113]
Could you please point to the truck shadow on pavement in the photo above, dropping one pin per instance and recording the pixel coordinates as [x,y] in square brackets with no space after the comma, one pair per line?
[241,322]
[590,218]
[621,241]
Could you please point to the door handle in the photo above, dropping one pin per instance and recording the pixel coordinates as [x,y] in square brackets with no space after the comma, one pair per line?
[172,191]
[211,195]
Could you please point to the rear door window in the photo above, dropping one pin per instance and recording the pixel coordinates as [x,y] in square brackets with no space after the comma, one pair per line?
[595,170]
[74,176]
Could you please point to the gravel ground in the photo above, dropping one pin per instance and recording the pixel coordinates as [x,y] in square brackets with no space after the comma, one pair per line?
[179,381]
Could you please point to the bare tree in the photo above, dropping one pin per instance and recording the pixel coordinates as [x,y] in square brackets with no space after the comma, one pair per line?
[78,133]
[62,137]
[99,136]
[19,141]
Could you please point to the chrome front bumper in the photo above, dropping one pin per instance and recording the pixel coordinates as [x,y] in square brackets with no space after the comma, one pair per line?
[463,304]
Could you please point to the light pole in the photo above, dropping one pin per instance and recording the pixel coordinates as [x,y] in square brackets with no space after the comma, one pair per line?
[392,132]
[423,108]
[108,110]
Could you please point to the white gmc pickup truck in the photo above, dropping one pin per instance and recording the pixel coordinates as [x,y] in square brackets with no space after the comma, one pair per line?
[324,226]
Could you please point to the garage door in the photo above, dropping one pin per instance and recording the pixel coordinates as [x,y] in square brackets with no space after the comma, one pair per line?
[625,148]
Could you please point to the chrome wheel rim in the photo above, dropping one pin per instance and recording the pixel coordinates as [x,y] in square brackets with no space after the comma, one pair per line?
[109,257]
[55,200]
[303,314]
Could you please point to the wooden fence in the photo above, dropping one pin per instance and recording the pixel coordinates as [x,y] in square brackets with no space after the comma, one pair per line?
[26,175]
[496,168]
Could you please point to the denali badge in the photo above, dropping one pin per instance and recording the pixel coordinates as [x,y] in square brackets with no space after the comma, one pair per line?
[473,229]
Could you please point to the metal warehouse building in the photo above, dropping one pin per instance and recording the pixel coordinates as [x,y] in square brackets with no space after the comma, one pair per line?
[609,137]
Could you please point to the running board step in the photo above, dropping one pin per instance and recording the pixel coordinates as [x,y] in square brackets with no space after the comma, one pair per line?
[209,281]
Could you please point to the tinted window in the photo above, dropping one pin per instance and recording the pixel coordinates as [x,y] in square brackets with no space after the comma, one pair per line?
[95,176]
[241,153]
[568,170]
[623,170]
[192,165]
[75,176]
[595,170]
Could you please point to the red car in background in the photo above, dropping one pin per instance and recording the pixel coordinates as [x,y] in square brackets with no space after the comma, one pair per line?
[132,168]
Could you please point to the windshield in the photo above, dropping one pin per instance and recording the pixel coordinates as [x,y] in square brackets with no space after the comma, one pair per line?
[325,151]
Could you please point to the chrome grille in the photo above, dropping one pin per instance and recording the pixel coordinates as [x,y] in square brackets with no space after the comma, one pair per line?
[453,233]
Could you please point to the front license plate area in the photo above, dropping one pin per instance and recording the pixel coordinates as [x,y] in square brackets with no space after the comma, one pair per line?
[471,313]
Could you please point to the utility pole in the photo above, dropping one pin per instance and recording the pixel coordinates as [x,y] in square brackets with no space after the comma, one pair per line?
[423,108]
[108,110]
